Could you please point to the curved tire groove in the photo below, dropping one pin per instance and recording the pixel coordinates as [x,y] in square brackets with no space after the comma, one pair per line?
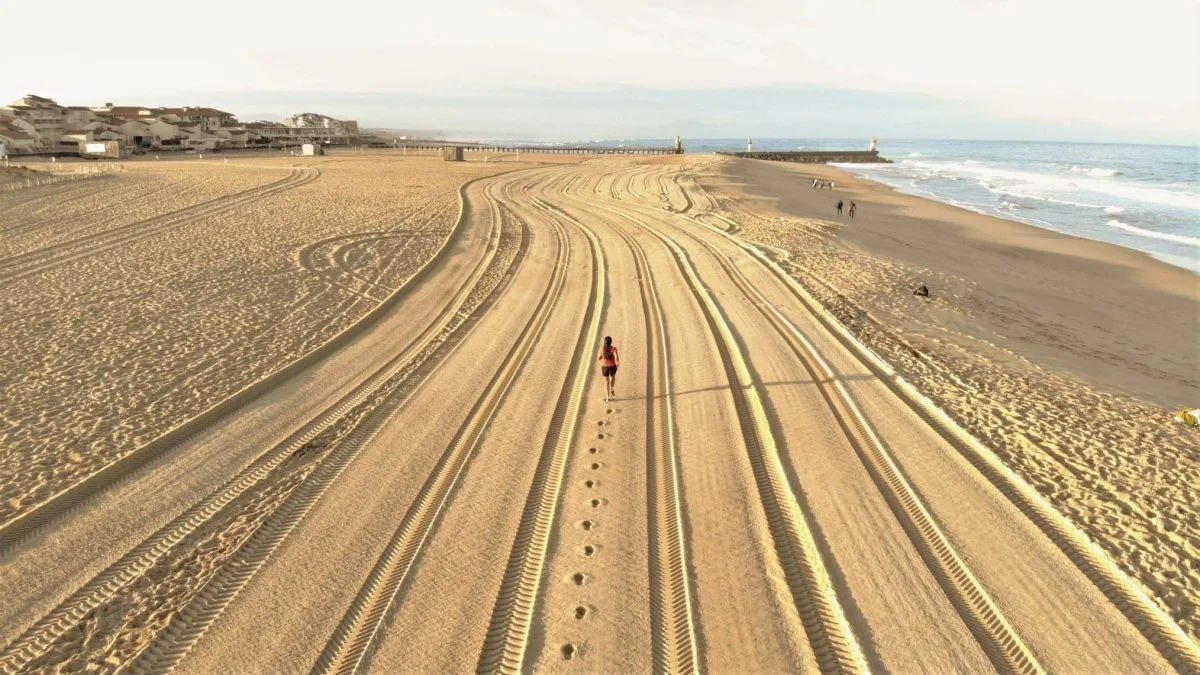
[832,640]
[512,616]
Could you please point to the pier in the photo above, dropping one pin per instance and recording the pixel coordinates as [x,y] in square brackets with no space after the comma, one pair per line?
[815,156]
[537,149]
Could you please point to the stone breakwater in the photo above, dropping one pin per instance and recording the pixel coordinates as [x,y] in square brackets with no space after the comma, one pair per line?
[816,157]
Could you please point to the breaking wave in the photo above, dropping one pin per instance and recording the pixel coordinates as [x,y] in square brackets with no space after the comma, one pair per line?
[1164,236]
[1097,173]
[1048,187]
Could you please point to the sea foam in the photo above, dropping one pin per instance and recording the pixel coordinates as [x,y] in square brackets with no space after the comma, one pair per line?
[1165,236]
[1080,190]
[1053,188]
[1096,172]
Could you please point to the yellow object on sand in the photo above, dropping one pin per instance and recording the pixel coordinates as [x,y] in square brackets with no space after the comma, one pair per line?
[1189,417]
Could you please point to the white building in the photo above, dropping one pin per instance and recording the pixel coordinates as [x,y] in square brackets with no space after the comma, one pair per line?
[15,140]
[38,124]
[307,128]
[198,139]
[235,137]
[148,133]
[47,118]
[322,124]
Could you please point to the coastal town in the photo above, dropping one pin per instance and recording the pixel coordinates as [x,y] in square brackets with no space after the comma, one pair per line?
[35,125]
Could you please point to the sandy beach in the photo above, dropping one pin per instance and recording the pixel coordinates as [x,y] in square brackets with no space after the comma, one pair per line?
[1068,356]
[343,414]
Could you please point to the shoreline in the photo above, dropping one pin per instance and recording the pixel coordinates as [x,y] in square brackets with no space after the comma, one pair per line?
[1065,356]
[1047,227]
[1100,278]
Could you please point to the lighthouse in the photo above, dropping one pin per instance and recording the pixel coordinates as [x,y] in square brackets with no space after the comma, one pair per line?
[874,142]
[749,145]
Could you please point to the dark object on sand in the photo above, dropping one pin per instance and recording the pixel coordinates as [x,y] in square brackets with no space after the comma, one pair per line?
[923,291]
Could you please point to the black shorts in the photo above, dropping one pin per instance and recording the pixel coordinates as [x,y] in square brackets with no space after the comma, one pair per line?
[608,370]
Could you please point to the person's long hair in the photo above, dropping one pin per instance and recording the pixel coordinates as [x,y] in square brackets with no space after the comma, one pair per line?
[608,347]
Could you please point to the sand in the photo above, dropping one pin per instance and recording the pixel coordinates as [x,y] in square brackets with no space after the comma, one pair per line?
[1068,356]
[421,472]
[191,308]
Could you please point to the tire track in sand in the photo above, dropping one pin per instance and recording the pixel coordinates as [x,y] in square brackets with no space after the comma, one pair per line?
[672,600]
[1150,620]
[28,522]
[351,644]
[60,222]
[996,636]
[671,595]
[507,639]
[41,260]
[207,606]
[421,353]
[60,193]
[834,645]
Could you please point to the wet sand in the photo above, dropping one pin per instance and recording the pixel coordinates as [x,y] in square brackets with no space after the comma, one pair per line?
[1108,315]
[1065,356]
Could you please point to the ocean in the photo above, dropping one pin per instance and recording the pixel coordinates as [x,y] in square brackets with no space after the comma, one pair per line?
[1144,197]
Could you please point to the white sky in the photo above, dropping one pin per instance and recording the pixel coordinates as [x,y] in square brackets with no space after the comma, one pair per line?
[1119,64]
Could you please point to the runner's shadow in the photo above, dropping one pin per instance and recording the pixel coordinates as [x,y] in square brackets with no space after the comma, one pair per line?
[725,387]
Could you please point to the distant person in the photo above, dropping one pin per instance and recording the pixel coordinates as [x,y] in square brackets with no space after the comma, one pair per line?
[815,183]
[830,185]
[839,207]
[609,360]
[853,208]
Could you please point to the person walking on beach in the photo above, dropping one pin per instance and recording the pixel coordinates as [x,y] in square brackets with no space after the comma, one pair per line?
[853,207]
[839,207]
[609,360]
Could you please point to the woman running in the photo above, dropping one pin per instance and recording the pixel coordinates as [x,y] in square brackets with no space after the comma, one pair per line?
[609,360]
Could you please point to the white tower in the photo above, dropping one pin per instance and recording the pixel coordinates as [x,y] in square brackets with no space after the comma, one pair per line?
[874,142]
[749,145]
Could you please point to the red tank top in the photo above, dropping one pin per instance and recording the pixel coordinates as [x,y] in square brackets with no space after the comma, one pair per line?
[611,359]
